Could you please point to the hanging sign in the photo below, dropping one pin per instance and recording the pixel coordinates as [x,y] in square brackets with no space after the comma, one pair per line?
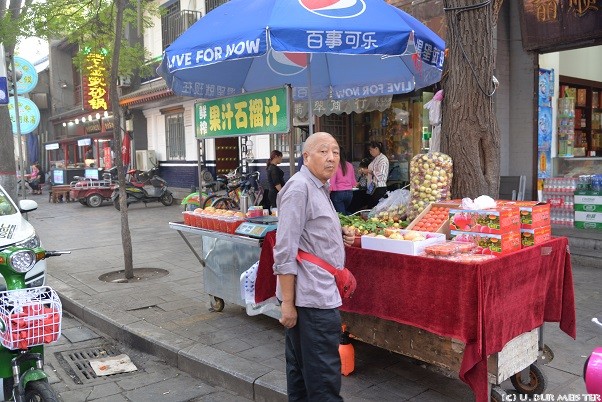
[29,76]
[265,112]
[552,25]
[3,79]
[29,115]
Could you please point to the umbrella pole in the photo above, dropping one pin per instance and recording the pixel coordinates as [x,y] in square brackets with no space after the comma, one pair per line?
[291,136]
[310,111]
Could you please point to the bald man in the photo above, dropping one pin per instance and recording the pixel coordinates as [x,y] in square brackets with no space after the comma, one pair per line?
[310,299]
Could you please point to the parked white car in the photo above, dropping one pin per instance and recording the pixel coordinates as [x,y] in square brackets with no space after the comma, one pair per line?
[15,230]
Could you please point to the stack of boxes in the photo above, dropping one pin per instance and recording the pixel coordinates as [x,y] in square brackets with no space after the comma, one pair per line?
[588,209]
[495,231]
[507,228]
[535,224]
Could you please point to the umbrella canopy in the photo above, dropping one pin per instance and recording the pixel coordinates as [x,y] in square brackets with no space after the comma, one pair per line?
[326,49]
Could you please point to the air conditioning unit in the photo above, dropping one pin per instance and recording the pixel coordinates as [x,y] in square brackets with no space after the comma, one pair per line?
[124,81]
[146,159]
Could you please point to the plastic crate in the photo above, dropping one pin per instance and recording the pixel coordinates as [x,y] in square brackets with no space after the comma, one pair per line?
[29,317]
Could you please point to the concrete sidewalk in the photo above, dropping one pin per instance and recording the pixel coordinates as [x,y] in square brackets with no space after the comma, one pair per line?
[170,317]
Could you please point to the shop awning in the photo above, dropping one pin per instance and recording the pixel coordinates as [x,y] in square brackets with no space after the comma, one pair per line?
[334,106]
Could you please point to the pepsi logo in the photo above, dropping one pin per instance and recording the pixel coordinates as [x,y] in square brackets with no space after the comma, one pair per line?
[335,8]
[287,63]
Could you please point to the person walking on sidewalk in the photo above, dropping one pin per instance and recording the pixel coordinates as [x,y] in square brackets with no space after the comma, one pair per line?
[308,293]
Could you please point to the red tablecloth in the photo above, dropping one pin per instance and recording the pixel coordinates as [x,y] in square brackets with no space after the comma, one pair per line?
[483,305]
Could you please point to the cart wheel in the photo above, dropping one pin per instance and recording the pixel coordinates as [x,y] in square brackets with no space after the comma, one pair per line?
[94,200]
[498,394]
[536,385]
[217,304]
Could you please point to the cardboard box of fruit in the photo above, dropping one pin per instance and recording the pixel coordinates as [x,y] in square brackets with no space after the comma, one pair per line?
[533,214]
[400,241]
[487,243]
[434,218]
[498,220]
[531,237]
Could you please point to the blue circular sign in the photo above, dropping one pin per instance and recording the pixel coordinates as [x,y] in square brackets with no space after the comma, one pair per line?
[29,77]
[29,115]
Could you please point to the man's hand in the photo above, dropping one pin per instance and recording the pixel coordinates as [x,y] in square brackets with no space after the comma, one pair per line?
[289,314]
[348,236]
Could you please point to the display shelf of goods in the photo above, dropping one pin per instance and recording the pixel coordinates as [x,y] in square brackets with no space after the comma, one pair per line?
[588,103]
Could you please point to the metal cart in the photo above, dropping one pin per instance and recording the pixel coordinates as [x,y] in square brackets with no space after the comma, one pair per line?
[224,258]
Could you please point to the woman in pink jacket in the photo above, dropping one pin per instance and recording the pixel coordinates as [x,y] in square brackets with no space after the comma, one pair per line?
[341,185]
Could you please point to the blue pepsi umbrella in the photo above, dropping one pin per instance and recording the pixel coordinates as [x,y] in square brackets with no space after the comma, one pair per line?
[326,49]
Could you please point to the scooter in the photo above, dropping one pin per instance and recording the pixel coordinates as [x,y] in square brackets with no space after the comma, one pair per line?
[29,318]
[144,186]
[592,370]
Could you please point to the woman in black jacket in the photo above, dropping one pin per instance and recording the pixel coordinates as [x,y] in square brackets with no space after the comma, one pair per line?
[275,176]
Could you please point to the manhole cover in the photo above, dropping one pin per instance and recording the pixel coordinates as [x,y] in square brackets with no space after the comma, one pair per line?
[77,363]
[140,274]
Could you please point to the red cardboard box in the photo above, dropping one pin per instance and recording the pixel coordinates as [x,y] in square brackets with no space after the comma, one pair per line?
[498,220]
[486,243]
[533,214]
[531,237]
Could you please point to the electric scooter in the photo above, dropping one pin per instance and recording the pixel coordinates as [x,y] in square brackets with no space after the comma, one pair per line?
[592,370]
[29,318]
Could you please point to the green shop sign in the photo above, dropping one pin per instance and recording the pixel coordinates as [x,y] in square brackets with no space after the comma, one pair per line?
[265,112]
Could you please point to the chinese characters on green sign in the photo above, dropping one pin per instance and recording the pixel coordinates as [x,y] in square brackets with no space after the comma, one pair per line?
[263,112]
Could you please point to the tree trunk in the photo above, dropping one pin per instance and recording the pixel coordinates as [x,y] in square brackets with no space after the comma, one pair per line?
[126,237]
[8,167]
[470,134]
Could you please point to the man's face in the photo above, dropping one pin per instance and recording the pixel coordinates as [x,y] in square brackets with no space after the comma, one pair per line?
[322,159]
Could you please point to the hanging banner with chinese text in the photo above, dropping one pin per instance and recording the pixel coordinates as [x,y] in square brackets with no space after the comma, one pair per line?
[265,112]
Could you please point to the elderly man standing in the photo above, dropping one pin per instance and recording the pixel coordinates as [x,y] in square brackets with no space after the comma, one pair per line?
[309,295]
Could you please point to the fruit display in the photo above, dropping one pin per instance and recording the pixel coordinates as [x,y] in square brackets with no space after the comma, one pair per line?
[432,220]
[363,226]
[400,241]
[392,209]
[449,248]
[430,181]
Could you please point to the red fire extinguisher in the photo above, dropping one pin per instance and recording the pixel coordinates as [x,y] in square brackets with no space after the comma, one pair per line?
[346,352]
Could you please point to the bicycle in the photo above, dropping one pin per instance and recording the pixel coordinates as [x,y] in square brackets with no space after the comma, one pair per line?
[224,185]
[249,186]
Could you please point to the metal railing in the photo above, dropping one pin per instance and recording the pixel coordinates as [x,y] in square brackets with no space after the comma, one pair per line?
[174,25]
[211,4]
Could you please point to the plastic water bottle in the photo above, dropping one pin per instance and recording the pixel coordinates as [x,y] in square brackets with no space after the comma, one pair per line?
[347,353]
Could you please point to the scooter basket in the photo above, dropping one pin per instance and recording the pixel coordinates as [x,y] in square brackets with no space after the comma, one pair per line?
[29,317]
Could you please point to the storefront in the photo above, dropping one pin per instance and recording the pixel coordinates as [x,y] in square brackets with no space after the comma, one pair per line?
[568,38]
[82,147]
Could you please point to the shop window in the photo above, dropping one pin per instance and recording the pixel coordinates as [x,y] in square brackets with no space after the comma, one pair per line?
[175,138]
[338,126]
[280,142]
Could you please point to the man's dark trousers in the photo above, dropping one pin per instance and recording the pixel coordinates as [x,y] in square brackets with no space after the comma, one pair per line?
[313,364]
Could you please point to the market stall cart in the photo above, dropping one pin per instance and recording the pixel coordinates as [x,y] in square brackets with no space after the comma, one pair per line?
[480,320]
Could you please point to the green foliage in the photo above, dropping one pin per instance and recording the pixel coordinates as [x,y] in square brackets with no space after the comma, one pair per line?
[86,24]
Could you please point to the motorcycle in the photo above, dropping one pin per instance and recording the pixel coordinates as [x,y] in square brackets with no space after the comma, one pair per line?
[592,370]
[29,318]
[144,186]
